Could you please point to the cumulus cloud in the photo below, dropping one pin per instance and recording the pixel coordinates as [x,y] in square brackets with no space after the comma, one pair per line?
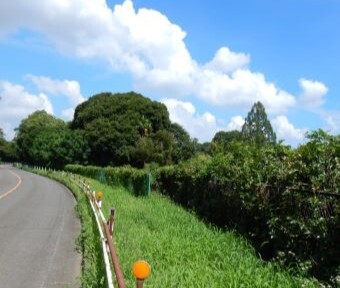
[65,88]
[236,123]
[149,46]
[332,119]
[16,103]
[242,89]
[67,114]
[286,130]
[203,127]
[68,88]
[226,61]
[313,93]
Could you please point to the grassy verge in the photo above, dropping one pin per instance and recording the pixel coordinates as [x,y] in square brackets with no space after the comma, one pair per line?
[88,242]
[182,251]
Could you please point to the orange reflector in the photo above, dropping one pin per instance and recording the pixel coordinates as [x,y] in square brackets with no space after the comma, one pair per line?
[141,270]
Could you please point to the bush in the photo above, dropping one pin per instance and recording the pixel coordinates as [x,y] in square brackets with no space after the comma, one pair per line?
[268,194]
[134,180]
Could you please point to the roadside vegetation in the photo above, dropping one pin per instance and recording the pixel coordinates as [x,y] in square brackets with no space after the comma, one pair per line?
[284,201]
[181,249]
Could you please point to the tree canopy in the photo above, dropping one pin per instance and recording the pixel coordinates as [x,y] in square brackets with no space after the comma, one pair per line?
[7,149]
[128,128]
[45,140]
[257,127]
[107,129]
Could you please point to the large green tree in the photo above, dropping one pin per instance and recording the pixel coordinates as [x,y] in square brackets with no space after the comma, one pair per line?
[45,140]
[257,127]
[121,128]
[29,128]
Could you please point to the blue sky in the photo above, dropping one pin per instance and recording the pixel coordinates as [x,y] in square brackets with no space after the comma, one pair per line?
[207,61]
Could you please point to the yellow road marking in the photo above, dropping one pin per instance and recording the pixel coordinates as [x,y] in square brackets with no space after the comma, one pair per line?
[14,188]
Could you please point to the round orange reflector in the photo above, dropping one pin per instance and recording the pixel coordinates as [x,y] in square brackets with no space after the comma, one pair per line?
[99,194]
[141,270]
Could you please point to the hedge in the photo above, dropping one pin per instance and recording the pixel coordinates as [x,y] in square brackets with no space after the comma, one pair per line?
[260,194]
[134,180]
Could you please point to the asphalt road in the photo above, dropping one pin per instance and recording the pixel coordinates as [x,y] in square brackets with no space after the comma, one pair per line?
[38,230]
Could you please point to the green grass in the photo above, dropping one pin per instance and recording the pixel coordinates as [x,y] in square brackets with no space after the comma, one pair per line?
[183,251]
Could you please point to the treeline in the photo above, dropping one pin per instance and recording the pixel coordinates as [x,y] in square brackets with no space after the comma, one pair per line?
[8,151]
[107,129]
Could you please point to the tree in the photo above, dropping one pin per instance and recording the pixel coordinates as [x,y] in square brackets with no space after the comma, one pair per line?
[227,136]
[45,140]
[184,147]
[223,139]
[257,127]
[113,124]
[57,146]
[28,130]
[7,149]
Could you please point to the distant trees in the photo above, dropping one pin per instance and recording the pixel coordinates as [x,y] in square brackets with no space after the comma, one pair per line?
[29,128]
[184,147]
[125,128]
[257,127]
[107,129]
[223,139]
[7,148]
[45,140]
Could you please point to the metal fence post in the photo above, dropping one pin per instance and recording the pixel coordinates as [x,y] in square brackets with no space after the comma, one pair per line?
[111,220]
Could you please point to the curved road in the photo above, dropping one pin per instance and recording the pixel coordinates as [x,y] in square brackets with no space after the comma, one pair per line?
[38,230]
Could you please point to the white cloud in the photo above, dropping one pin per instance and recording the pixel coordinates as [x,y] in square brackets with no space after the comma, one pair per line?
[243,88]
[236,123]
[16,103]
[68,88]
[286,130]
[145,43]
[332,119]
[67,114]
[226,61]
[313,93]
[203,127]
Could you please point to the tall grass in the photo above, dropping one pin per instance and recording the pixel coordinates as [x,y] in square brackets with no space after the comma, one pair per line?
[183,251]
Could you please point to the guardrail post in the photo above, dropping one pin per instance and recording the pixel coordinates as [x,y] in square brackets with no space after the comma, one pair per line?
[111,220]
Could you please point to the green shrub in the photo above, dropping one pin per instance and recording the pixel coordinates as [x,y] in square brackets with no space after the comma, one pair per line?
[134,180]
[266,195]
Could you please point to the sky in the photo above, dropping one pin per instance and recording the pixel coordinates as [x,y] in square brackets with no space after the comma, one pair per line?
[208,61]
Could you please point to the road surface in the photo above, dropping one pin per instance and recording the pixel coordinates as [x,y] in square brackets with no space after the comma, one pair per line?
[38,230]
